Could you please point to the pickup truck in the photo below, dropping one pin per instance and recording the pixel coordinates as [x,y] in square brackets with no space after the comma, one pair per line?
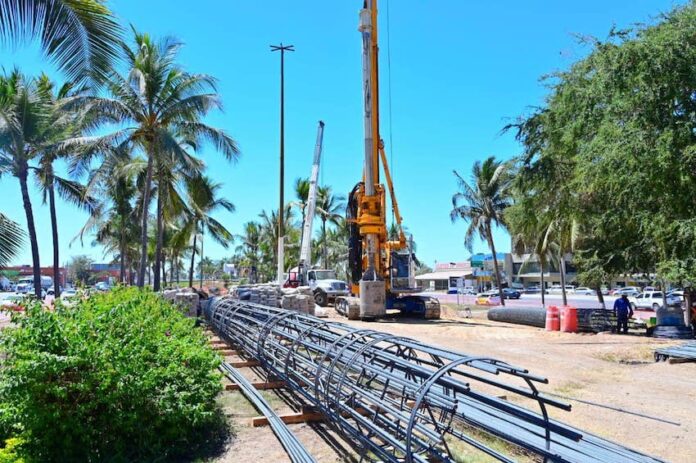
[652,300]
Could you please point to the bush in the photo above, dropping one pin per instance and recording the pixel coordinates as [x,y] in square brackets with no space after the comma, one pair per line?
[122,376]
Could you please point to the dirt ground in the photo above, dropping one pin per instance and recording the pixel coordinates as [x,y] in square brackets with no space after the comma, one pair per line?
[608,370]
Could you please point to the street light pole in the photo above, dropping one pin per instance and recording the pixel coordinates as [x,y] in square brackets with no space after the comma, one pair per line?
[281,208]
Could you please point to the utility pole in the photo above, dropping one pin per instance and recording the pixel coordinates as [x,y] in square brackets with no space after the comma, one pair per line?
[281,208]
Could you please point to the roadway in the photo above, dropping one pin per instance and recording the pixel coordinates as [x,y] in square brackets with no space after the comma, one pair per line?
[531,300]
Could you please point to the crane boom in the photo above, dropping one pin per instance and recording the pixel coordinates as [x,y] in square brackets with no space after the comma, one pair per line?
[306,247]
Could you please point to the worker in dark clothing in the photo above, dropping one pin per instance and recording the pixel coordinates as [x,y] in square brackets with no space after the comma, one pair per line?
[623,311]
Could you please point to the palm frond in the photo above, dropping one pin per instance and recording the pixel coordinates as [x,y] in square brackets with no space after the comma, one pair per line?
[81,36]
[11,240]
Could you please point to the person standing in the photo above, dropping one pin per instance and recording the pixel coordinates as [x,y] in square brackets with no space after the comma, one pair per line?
[623,311]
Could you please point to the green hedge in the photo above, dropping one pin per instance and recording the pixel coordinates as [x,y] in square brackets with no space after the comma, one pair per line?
[121,376]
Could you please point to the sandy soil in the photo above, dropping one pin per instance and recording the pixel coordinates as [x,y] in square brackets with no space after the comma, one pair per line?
[612,370]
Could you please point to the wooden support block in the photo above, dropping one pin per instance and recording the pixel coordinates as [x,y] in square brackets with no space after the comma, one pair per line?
[673,360]
[226,352]
[305,416]
[258,385]
[244,363]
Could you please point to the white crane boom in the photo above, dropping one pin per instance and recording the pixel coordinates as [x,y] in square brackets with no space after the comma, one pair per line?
[306,248]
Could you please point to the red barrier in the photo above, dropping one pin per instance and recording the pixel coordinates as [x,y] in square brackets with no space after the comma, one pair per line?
[569,319]
[553,322]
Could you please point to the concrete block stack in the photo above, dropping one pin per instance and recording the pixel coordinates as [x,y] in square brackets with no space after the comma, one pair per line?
[269,295]
[186,299]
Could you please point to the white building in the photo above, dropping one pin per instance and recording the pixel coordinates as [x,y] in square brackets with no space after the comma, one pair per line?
[445,276]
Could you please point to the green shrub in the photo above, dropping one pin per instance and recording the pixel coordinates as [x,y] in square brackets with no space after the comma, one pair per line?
[121,376]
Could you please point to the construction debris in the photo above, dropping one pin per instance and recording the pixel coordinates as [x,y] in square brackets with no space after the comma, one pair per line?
[398,399]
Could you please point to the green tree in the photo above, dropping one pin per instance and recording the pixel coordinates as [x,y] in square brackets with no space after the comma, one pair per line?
[80,269]
[60,124]
[615,143]
[157,107]
[203,200]
[482,204]
[81,36]
[269,237]
[23,130]
[330,209]
[302,197]
[250,247]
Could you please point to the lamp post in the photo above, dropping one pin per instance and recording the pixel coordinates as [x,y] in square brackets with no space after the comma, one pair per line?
[281,208]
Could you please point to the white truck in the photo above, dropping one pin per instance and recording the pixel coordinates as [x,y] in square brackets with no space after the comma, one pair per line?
[26,284]
[326,287]
[652,300]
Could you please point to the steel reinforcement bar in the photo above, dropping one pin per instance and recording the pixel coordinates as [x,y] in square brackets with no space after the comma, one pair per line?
[296,451]
[398,399]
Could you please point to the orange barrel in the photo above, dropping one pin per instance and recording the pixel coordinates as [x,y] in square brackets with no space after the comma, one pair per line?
[569,319]
[553,321]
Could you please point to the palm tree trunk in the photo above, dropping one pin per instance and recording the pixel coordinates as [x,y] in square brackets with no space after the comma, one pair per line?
[164,270]
[31,228]
[143,234]
[178,263]
[201,259]
[324,251]
[160,237]
[54,233]
[563,280]
[491,244]
[541,278]
[193,258]
[122,250]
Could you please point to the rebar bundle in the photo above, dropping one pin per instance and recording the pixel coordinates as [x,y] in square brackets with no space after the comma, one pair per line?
[397,399]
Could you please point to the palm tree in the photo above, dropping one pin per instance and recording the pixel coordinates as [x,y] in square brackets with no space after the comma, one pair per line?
[23,119]
[482,204]
[59,125]
[159,107]
[249,248]
[530,230]
[80,36]
[269,230]
[202,201]
[11,239]
[330,209]
[302,197]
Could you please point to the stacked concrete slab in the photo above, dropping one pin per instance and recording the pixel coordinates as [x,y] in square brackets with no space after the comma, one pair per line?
[184,298]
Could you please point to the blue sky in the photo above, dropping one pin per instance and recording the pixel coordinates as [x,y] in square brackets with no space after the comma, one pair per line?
[460,70]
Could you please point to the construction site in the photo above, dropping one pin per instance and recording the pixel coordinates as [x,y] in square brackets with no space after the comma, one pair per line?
[384,373]
[348,359]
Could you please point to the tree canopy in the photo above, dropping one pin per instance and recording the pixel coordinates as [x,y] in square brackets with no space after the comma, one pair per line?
[613,149]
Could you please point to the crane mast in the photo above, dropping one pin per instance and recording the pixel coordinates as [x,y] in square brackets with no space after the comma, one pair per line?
[306,243]
[372,287]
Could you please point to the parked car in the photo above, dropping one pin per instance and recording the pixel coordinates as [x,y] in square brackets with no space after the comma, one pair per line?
[652,300]
[532,289]
[677,294]
[585,291]
[510,293]
[488,298]
[470,290]
[630,291]
[558,289]
[102,286]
